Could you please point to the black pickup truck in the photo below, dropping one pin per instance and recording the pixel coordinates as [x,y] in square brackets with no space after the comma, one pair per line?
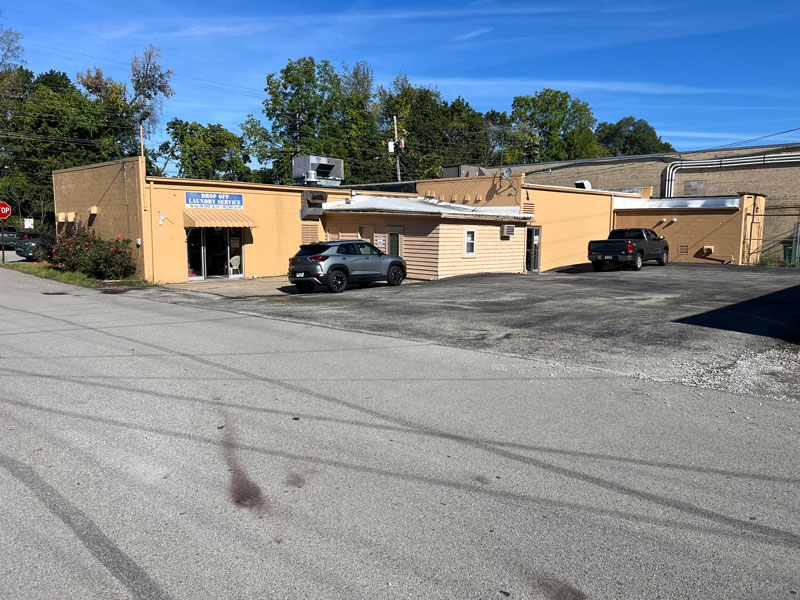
[629,247]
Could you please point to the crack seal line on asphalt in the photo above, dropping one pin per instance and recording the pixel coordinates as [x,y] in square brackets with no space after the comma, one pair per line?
[786,537]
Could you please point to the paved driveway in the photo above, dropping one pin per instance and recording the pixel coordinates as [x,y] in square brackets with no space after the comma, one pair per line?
[734,328]
[159,451]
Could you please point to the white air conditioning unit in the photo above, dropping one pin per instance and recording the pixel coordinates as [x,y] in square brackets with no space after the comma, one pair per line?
[507,230]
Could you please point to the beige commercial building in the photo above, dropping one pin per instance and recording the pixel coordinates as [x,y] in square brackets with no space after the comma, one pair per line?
[187,230]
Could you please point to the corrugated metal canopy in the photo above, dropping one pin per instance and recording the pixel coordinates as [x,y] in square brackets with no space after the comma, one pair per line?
[210,217]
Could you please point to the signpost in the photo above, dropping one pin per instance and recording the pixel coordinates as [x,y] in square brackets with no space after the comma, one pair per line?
[5,212]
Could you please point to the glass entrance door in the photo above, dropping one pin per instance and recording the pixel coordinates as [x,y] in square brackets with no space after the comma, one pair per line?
[196,256]
[532,248]
[214,252]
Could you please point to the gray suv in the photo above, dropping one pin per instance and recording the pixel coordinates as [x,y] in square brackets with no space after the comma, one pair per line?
[338,262]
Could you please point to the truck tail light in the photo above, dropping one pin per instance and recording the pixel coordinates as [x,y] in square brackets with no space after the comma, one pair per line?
[589,247]
[319,258]
[629,247]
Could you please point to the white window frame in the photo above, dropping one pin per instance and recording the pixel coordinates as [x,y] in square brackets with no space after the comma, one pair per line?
[474,241]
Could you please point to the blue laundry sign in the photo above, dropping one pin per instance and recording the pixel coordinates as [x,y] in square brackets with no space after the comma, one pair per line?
[213,200]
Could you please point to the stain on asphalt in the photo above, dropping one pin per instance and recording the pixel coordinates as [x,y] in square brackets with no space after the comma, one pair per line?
[480,479]
[243,491]
[296,480]
[119,290]
[553,589]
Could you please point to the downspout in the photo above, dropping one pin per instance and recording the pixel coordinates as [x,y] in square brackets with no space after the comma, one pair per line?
[720,163]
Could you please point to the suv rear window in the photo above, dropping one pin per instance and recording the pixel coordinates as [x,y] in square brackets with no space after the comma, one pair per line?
[312,249]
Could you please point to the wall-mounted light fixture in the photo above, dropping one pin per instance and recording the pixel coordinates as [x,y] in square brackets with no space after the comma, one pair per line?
[674,219]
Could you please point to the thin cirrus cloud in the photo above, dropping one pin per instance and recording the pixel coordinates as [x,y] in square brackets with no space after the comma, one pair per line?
[573,85]
[472,34]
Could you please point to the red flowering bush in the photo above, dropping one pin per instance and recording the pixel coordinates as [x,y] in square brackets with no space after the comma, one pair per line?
[87,252]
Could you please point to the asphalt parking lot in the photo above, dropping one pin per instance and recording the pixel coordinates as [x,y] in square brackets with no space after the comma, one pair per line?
[728,327]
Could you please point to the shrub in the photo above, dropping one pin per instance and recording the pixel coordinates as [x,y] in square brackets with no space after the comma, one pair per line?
[85,251]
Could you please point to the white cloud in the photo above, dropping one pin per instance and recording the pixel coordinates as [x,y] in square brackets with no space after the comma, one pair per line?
[517,85]
[471,34]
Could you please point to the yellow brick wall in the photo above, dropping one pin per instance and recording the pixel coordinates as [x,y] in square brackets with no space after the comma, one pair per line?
[114,188]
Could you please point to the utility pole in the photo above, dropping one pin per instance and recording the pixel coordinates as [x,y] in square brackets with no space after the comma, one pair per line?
[397,154]
[141,138]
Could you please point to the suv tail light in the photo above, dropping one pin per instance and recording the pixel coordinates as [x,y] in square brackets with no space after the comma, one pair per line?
[319,258]
[629,247]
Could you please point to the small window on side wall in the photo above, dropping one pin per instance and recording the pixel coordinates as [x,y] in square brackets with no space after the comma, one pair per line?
[469,242]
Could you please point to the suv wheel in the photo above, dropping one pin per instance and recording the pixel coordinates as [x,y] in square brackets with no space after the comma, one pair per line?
[395,275]
[337,281]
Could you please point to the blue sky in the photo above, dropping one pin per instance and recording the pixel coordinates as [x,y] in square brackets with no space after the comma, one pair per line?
[704,74]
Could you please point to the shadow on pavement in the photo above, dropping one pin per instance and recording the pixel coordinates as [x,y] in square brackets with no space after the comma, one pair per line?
[772,315]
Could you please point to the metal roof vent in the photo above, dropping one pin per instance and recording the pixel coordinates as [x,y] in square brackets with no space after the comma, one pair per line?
[583,184]
[317,170]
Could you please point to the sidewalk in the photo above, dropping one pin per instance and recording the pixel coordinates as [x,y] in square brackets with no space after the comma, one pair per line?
[238,288]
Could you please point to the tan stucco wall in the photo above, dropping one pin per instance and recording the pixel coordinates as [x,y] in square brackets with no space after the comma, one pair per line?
[267,248]
[419,237]
[493,253]
[473,191]
[115,189]
[569,220]
[724,230]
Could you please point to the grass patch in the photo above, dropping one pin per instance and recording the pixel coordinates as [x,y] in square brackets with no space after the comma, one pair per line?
[45,271]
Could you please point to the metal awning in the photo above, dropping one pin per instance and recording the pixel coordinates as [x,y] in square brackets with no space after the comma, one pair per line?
[210,217]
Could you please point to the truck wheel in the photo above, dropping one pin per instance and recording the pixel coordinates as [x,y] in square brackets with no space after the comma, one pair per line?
[598,265]
[636,265]
[664,258]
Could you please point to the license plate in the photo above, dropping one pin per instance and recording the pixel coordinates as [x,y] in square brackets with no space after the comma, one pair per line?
[299,274]
[607,257]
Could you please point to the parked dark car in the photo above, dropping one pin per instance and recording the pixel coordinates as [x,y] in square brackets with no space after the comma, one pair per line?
[336,263]
[9,241]
[629,247]
[27,242]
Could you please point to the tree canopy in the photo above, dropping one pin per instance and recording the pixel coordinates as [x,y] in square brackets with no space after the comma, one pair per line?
[630,136]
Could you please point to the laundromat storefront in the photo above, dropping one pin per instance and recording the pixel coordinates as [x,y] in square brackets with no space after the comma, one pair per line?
[189,230]
[215,225]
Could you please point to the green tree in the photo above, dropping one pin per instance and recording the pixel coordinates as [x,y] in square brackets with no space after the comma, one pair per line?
[302,106]
[205,152]
[365,151]
[630,136]
[422,118]
[11,50]
[563,125]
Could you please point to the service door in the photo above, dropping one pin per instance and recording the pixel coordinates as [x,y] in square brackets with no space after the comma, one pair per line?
[532,249]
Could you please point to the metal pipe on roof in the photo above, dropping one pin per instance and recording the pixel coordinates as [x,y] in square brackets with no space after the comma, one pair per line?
[719,163]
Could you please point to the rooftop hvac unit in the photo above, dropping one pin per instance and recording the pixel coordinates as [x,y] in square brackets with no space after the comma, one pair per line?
[507,230]
[583,184]
[317,170]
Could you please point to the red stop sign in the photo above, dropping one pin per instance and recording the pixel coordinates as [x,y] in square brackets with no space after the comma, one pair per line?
[5,210]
